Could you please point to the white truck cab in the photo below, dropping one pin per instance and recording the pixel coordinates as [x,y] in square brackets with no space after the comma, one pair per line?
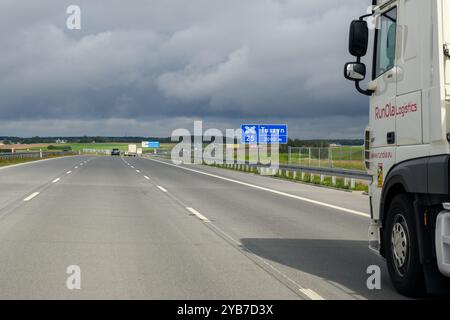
[408,138]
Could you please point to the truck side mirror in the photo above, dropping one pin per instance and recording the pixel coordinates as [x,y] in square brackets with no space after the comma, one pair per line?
[359,38]
[355,71]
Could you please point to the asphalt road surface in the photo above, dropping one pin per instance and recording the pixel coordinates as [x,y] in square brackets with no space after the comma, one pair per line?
[145,229]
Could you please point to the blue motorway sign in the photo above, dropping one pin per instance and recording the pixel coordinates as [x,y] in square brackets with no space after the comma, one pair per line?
[151,144]
[264,133]
[154,144]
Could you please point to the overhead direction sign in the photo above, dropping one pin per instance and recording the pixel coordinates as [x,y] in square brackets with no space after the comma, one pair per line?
[264,133]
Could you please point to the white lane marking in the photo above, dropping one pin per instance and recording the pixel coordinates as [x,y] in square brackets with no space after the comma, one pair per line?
[146,177]
[132,167]
[197,214]
[76,167]
[262,260]
[138,171]
[56,180]
[81,164]
[323,204]
[68,172]
[31,196]
[311,294]
[162,189]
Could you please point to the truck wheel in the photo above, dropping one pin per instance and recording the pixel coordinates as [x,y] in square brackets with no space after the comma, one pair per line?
[401,247]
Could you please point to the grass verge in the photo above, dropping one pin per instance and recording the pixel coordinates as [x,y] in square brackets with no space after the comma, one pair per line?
[9,162]
[340,183]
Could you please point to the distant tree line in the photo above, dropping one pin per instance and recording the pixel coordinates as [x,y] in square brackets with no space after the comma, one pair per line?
[324,143]
[82,139]
[320,143]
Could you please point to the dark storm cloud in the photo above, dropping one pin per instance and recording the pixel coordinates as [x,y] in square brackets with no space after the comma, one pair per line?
[171,61]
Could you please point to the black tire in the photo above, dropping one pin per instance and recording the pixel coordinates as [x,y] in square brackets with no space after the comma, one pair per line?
[401,247]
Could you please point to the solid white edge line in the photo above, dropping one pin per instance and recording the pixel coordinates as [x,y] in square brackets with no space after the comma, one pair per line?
[197,214]
[56,180]
[323,204]
[311,294]
[31,196]
[162,189]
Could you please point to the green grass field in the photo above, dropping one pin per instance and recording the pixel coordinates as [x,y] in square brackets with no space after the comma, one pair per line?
[345,157]
[340,157]
[80,146]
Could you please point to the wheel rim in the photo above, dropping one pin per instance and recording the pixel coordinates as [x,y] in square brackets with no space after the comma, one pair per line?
[400,245]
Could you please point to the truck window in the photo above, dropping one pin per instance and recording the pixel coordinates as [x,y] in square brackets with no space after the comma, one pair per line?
[386,37]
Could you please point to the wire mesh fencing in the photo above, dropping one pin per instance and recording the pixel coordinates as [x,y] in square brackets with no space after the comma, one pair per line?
[346,157]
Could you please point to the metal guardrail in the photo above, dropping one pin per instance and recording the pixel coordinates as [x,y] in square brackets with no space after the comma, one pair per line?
[37,154]
[97,151]
[331,172]
[345,173]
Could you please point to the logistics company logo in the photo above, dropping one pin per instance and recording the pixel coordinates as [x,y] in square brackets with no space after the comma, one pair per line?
[264,133]
[390,111]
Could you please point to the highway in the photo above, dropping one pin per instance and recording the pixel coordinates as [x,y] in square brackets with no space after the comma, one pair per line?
[146,229]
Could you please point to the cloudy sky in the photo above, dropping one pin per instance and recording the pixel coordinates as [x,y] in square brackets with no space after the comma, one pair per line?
[147,67]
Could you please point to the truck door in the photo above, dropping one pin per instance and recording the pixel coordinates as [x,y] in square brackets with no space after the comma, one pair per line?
[409,129]
[383,100]
[383,103]
[446,26]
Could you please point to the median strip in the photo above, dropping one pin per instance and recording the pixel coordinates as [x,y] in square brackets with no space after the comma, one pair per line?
[31,196]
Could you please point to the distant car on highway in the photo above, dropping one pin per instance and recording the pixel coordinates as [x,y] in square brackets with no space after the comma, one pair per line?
[115,152]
